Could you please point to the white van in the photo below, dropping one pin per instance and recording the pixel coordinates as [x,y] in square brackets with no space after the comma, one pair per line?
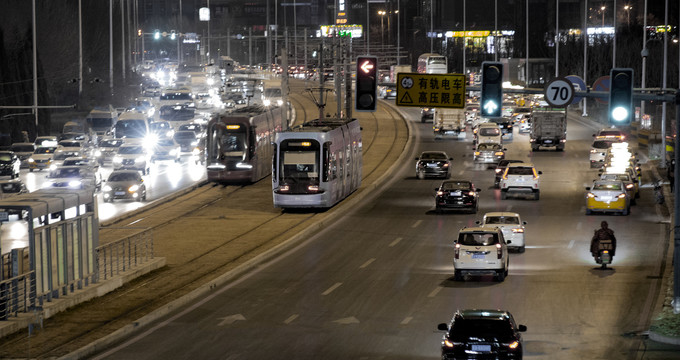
[132,127]
[488,133]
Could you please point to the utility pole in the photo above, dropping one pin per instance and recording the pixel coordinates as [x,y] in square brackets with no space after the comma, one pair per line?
[322,105]
[337,68]
[284,87]
[348,79]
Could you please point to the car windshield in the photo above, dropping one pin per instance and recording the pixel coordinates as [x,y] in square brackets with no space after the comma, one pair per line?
[130,150]
[489,131]
[464,329]
[166,142]
[607,187]
[111,143]
[61,155]
[75,162]
[601,144]
[478,239]
[23,148]
[511,220]
[185,135]
[493,147]
[5,157]
[69,143]
[520,171]
[66,173]
[456,185]
[123,176]
[432,156]
[622,177]
[45,150]
[13,187]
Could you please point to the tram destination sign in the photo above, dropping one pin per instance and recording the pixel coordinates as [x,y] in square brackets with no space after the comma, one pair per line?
[431,90]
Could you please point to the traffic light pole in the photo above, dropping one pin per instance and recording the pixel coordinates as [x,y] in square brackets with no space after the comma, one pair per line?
[676,210]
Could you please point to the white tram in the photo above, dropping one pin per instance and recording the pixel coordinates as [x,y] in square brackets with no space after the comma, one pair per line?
[317,164]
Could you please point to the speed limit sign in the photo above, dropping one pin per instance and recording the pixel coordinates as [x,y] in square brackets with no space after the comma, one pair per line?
[559,92]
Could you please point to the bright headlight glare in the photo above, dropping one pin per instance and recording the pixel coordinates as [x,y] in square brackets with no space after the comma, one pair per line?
[140,159]
[97,153]
[117,159]
[75,183]
[107,188]
[133,188]
[266,102]
[244,166]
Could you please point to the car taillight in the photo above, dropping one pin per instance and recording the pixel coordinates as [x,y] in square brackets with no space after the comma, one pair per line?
[591,195]
[621,196]
[450,344]
[629,186]
[456,252]
[513,345]
[518,230]
[499,251]
[505,174]
[477,153]
[593,151]
[605,251]
[440,193]
[499,153]
[498,170]
[471,193]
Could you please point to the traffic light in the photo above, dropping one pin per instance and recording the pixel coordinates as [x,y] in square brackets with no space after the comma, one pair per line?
[366,84]
[157,34]
[492,89]
[621,96]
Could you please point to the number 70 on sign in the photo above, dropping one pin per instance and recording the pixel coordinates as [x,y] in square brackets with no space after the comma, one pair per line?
[559,92]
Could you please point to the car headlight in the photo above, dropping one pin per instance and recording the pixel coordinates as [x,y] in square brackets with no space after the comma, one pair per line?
[107,188]
[266,102]
[195,151]
[279,102]
[48,184]
[140,159]
[194,143]
[244,166]
[53,167]
[117,159]
[173,151]
[133,188]
[75,183]
[31,160]
[97,153]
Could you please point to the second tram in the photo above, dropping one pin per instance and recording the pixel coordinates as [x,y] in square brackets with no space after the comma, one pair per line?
[317,164]
[240,144]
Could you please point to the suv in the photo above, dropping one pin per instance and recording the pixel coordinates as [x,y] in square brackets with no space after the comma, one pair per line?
[510,224]
[479,251]
[520,178]
[500,170]
[476,333]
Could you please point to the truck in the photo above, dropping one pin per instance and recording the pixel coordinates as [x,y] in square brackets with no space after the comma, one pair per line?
[396,69]
[449,123]
[548,128]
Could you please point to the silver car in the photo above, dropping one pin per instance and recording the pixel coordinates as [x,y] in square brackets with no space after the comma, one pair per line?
[124,184]
[510,224]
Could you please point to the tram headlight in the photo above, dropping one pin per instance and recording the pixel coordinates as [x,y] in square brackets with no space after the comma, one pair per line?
[243,166]
[313,188]
[284,188]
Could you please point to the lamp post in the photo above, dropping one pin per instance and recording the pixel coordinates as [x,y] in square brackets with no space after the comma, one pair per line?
[602,11]
[627,8]
[382,28]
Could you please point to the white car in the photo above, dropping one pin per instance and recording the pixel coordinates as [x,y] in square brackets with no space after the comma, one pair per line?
[132,157]
[166,149]
[72,177]
[481,251]
[510,224]
[598,151]
[525,123]
[520,178]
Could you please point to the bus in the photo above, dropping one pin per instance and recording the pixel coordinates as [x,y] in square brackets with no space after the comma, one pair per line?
[430,63]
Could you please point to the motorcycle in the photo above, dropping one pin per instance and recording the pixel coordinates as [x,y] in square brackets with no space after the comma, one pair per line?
[604,255]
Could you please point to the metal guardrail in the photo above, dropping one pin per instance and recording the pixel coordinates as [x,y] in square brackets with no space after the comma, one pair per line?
[124,254]
[15,295]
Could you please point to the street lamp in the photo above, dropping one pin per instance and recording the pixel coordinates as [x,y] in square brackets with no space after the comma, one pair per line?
[602,10]
[382,28]
[627,8]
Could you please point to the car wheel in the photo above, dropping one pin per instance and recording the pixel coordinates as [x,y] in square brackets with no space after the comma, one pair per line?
[30,170]
[521,249]
[626,211]
[420,176]
[457,276]
[537,195]
[534,148]
[504,195]
[500,275]
[144,196]
[633,201]
[589,212]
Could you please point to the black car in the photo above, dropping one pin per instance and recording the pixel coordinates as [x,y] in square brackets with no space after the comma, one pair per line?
[9,164]
[457,194]
[426,114]
[433,163]
[482,334]
[500,168]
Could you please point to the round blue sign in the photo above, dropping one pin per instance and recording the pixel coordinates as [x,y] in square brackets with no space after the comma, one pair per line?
[579,85]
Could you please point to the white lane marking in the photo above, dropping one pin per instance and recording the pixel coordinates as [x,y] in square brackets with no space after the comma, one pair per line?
[578,225]
[435,292]
[508,208]
[571,244]
[460,173]
[407,320]
[367,263]
[330,289]
[136,221]
[291,319]
[228,320]
[543,246]
[395,242]
[416,223]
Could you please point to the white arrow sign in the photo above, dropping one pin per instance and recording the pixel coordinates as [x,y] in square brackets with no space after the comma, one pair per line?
[347,320]
[490,107]
[228,320]
[367,66]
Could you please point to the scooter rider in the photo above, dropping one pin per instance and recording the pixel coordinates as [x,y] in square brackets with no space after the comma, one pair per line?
[603,233]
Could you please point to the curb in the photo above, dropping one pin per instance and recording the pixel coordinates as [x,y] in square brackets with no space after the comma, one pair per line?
[663,338]
[344,207]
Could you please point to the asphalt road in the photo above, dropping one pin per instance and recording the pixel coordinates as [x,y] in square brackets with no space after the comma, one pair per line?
[376,284]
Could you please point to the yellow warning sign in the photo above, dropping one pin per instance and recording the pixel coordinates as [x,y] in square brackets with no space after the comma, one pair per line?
[431,90]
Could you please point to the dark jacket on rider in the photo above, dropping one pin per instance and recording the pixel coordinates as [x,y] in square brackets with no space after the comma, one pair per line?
[604,233]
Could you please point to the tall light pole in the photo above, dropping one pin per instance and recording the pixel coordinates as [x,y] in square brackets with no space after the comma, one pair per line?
[614,40]
[627,8]
[368,28]
[557,38]
[663,86]
[382,28]
[585,52]
[432,26]
[602,11]
[644,57]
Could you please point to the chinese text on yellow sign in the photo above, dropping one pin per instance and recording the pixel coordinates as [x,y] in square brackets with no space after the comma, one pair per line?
[431,90]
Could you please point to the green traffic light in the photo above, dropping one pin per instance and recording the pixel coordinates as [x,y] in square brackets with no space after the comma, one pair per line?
[619,113]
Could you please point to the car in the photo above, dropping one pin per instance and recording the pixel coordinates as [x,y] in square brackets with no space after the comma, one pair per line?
[611,134]
[388,92]
[62,154]
[482,334]
[9,164]
[88,163]
[629,182]
[520,178]
[426,114]
[187,140]
[198,129]
[488,132]
[598,151]
[457,194]
[500,169]
[23,151]
[41,158]
[132,157]
[162,129]
[524,124]
[9,188]
[48,141]
[166,149]
[480,251]
[490,153]
[607,196]
[72,177]
[471,112]
[124,184]
[510,224]
[520,112]
[107,149]
[433,163]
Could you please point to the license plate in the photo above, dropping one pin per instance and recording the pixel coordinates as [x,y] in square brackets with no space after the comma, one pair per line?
[606,198]
[481,348]
[432,165]
[118,193]
[455,193]
[547,141]
[478,256]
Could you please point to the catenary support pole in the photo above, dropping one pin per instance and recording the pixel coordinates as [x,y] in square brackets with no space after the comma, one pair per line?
[676,217]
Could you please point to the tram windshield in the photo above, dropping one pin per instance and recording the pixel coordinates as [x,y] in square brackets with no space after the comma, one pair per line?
[233,143]
[299,161]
